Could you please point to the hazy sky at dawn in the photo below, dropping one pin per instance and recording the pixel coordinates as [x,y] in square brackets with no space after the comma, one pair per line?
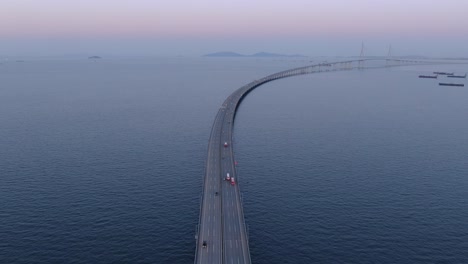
[195,27]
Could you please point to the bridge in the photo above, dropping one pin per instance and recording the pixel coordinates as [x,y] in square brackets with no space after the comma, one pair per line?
[222,235]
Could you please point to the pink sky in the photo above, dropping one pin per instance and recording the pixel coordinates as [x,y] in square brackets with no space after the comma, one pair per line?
[29,19]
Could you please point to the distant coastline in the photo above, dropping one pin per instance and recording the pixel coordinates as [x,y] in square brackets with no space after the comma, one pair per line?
[256,55]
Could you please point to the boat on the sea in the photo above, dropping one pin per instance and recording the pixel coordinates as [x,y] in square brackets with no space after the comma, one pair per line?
[428,76]
[457,76]
[452,84]
[444,73]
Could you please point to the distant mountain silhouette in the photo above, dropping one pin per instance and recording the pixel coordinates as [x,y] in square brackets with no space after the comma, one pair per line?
[256,55]
[224,54]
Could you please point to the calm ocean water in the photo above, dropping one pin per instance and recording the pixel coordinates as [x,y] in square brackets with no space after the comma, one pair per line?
[102,161]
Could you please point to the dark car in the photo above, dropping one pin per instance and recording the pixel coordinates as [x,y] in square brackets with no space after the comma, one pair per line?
[204,244]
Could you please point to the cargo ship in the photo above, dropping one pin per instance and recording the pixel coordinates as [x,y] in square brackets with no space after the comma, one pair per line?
[457,76]
[443,73]
[428,76]
[452,84]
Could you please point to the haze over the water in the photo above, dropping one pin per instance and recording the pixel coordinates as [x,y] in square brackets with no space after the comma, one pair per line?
[193,28]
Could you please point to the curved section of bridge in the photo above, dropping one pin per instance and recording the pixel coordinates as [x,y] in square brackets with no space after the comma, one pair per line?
[221,233]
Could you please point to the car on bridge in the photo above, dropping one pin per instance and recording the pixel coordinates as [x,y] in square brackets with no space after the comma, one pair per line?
[228,178]
[225,144]
[232,181]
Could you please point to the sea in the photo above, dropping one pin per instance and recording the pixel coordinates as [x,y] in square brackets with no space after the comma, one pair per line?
[102,161]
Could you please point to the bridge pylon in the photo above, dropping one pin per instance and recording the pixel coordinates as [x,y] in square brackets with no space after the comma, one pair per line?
[389,59]
[361,57]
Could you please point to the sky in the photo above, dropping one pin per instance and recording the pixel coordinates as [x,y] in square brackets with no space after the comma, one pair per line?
[196,27]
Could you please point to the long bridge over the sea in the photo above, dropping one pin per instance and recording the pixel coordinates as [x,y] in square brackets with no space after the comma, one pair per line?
[222,234]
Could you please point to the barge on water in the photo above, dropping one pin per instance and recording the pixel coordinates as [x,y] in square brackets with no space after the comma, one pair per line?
[457,76]
[428,76]
[452,84]
[443,73]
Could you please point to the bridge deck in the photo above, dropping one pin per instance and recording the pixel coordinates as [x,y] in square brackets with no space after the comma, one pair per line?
[221,222]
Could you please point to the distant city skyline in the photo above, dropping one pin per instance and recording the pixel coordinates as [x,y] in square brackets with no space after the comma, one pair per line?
[193,28]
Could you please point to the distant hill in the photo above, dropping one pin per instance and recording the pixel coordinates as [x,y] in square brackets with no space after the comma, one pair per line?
[224,54]
[256,55]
